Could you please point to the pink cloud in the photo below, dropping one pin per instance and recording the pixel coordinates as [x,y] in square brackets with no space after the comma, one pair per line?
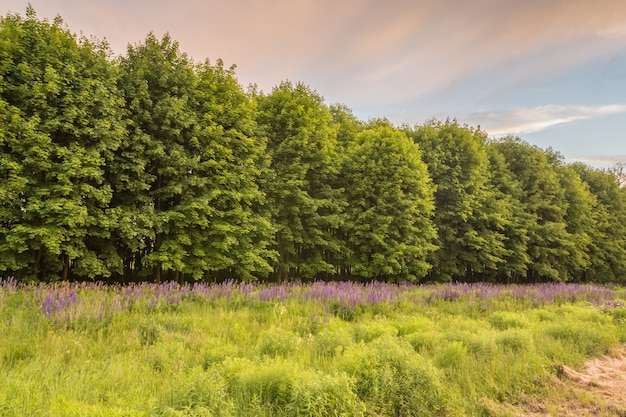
[362,50]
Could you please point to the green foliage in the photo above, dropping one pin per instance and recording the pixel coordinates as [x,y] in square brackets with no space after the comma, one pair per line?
[514,340]
[452,355]
[281,388]
[306,207]
[200,204]
[215,351]
[333,338]
[233,164]
[219,358]
[552,248]
[277,342]
[505,320]
[587,332]
[149,333]
[151,166]
[367,331]
[60,119]
[469,217]
[607,250]
[388,228]
[392,379]
[198,394]
[516,219]
[579,217]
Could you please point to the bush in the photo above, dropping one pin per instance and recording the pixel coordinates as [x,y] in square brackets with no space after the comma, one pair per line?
[619,315]
[583,337]
[283,388]
[367,331]
[333,338]
[453,355]
[215,351]
[316,394]
[392,379]
[481,344]
[502,320]
[515,340]
[200,393]
[413,324]
[149,332]
[277,342]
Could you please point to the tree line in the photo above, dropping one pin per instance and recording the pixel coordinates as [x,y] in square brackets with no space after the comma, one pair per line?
[150,166]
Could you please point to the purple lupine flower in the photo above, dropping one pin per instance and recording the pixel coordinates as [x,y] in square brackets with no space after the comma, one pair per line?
[246,288]
[273,293]
[72,298]
[61,302]
[48,305]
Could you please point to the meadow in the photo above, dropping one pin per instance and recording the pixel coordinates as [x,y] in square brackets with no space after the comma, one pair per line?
[295,349]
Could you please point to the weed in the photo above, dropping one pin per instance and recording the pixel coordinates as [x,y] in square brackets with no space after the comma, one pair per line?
[319,349]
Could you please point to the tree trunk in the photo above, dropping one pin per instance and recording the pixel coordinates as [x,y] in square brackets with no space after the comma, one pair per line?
[66,267]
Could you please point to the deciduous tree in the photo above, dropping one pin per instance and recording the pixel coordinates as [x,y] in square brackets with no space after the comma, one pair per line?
[388,225]
[62,113]
[302,144]
[468,215]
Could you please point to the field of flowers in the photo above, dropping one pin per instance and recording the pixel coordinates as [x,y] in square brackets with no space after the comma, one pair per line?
[294,349]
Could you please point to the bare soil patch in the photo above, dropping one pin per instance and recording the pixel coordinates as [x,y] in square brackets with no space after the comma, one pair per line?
[597,389]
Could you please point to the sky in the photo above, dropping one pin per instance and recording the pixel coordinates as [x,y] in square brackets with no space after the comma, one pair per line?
[552,72]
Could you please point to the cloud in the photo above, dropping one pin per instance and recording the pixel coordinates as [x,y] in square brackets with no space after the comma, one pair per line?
[368,53]
[601,161]
[614,31]
[536,119]
[608,160]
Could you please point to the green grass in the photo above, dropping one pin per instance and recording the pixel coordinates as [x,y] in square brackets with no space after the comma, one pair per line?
[236,355]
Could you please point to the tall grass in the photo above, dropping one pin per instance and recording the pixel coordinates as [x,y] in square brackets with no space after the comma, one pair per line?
[320,349]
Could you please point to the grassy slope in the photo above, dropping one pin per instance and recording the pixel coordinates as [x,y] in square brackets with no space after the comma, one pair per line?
[422,351]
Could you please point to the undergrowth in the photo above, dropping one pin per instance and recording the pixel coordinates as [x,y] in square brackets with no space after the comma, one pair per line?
[413,353]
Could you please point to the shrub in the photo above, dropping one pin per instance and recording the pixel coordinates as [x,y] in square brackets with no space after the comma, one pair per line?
[367,331]
[453,355]
[502,320]
[515,340]
[215,351]
[149,332]
[413,324]
[583,337]
[423,341]
[480,344]
[619,315]
[281,387]
[199,393]
[277,342]
[333,338]
[392,379]
[322,395]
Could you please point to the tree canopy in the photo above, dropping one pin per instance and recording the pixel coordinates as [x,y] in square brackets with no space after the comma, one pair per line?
[151,166]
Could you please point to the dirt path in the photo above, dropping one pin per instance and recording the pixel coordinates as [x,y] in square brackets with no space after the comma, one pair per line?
[598,389]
